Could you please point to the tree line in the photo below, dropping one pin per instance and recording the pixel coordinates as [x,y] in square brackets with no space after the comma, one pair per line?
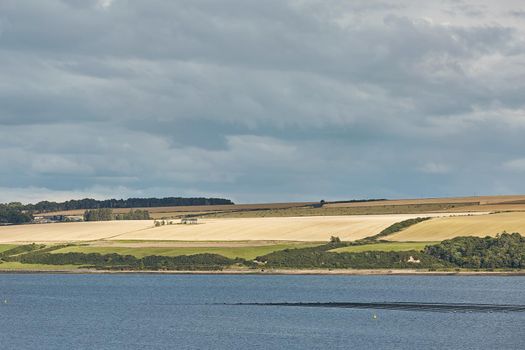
[127,262]
[13,213]
[89,203]
[505,251]
[321,257]
[106,214]
[398,226]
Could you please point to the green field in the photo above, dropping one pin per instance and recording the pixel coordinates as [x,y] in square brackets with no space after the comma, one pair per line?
[229,252]
[18,266]
[4,247]
[384,247]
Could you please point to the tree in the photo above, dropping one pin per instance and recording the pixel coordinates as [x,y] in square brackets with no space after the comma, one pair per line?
[89,203]
[13,213]
[103,214]
[335,239]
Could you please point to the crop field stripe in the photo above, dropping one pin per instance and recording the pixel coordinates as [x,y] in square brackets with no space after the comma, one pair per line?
[4,247]
[404,306]
[384,247]
[249,252]
[18,266]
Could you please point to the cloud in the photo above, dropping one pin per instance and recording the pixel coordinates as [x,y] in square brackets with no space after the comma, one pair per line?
[35,194]
[261,100]
[434,168]
[54,164]
[104,4]
[517,165]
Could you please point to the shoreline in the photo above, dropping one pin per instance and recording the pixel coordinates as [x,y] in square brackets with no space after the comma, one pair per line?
[284,272]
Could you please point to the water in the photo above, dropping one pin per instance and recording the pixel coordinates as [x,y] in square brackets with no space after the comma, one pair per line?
[175,312]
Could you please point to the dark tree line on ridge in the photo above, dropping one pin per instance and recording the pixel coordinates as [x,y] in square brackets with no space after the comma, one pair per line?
[88,203]
[18,213]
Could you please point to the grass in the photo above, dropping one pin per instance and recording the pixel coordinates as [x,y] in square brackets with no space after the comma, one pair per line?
[18,266]
[4,247]
[384,247]
[229,252]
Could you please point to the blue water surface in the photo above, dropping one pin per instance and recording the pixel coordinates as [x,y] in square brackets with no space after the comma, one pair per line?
[141,311]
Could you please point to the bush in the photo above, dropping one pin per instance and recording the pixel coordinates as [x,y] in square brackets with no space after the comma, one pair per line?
[103,214]
[334,239]
[134,215]
[363,260]
[503,251]
[129,262]
[20,249]
[398,226]
[13,213]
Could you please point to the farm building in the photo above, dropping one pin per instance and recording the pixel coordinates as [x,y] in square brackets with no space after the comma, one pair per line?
[188,220]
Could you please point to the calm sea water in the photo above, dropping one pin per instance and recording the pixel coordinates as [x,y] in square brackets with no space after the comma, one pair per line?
[175,312]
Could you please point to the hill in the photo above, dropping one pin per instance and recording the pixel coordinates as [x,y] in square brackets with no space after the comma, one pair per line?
[442,228]
[481,204]
[314,228]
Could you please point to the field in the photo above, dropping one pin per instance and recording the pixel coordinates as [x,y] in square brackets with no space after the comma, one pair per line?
[17,266]
[293,209]
[316,228]
[426,205]
[439,229]
[246,251]
[71,231]
[384,247]
[345,211]
[248,238]
[479,200]
[4,247]
[179,211]
[309,229]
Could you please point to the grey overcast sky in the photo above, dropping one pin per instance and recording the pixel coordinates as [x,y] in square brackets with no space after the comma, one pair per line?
[261,101]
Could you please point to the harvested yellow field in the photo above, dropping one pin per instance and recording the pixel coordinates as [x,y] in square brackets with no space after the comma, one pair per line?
[71,231]
[316,228]
[306,228]
[439,229]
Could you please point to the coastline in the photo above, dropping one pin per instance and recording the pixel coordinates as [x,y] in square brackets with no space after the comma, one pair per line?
[314,272]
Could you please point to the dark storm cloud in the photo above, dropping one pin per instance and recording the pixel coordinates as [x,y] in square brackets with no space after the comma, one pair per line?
[256,100]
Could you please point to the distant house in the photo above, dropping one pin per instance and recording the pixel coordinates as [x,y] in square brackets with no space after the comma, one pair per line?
[41,220]
[47,219]
[413,261]
[56,218]
[188,220]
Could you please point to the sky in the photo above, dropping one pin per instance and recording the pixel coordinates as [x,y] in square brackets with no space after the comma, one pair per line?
[261,101]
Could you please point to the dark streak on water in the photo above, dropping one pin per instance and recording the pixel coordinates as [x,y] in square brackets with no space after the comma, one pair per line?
[406,306]
[189,312]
